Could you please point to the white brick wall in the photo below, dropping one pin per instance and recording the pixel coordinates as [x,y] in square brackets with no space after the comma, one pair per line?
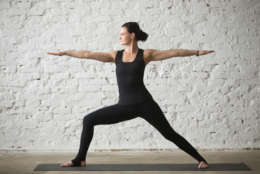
[212,100]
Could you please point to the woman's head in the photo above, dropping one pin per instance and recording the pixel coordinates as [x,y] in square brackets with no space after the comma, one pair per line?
[130,32]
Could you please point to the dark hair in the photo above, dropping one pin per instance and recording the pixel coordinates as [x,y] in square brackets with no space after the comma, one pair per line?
[134,27]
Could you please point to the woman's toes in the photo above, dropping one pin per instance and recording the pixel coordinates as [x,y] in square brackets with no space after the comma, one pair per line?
[205,166]
[69,164]
[66,164]
[202,165]
[62,164]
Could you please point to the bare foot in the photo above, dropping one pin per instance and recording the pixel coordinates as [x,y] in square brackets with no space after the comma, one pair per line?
[203,165]
[69,164]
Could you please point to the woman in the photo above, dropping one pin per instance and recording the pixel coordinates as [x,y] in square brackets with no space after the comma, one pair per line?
[134,98]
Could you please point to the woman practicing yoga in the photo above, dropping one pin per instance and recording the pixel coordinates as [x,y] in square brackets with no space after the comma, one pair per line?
[134,99]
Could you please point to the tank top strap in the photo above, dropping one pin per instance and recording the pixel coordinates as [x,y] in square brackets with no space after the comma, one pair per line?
[141,53]
[118,56]
[140,56]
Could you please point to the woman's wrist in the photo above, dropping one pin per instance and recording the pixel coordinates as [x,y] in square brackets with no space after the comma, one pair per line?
[65,53]
[197,53]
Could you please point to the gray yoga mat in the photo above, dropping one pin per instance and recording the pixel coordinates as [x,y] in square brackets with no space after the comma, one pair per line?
[144,167]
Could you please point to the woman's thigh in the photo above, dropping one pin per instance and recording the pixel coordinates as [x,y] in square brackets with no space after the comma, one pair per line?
[111,114]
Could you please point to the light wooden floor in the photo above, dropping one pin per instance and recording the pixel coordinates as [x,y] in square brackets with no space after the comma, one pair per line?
[24,162]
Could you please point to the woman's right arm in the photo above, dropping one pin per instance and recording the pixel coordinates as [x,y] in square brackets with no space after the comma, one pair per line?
[108,56]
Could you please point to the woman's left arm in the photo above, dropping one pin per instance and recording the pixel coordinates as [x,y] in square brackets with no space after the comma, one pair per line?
[157,55]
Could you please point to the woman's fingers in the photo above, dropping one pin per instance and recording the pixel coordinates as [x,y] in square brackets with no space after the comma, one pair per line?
[211,51]
[203,52]
[56,53]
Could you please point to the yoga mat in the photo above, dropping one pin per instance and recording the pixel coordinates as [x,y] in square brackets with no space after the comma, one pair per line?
[144,167]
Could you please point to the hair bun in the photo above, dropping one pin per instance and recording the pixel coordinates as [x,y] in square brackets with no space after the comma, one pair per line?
[134,27]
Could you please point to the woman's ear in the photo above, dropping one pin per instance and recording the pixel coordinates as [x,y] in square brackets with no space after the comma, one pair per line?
[132,36]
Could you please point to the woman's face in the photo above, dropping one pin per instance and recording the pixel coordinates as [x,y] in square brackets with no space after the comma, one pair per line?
[125,37]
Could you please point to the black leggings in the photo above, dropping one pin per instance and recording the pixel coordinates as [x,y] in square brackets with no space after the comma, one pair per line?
[148,110]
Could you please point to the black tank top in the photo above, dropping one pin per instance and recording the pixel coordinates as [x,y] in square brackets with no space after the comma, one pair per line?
[130,79]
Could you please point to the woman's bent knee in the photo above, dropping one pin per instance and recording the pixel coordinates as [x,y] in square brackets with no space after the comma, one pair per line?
[87,120]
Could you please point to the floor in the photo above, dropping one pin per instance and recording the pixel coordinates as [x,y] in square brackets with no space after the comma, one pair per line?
[25,162]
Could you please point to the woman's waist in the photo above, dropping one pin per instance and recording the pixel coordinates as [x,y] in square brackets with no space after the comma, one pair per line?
[134,99]
[134,91]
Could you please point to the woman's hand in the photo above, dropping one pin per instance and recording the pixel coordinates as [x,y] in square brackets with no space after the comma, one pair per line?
[61,53]
[203,52]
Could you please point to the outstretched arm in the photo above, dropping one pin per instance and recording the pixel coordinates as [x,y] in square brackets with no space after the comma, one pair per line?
[108,56]
[157,55]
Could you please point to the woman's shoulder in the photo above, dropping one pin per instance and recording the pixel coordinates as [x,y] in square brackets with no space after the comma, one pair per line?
[115,53]
[147,54]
